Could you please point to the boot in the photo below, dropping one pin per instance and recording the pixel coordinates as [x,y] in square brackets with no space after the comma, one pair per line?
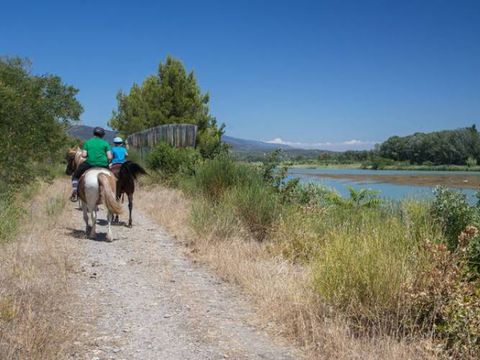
[74,196]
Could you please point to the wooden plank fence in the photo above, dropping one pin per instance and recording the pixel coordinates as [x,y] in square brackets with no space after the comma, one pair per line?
[177,135]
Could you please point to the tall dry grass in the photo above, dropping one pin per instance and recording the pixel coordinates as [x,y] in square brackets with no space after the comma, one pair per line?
[282,289]
[34,294]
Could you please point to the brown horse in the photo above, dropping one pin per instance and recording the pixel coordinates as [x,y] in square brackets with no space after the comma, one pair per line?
[74,159]
[127,174]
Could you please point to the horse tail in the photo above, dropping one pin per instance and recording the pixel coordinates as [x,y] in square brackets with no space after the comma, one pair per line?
[107,185]
[131,170]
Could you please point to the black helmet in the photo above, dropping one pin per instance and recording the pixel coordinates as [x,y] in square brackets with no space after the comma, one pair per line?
[98,131]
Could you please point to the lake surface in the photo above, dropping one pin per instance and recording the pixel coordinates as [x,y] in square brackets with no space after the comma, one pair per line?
[386,189]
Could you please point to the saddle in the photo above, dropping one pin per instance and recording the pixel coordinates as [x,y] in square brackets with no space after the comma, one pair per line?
[115,169]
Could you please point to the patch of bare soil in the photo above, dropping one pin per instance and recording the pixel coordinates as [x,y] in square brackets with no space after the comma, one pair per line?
[140,297]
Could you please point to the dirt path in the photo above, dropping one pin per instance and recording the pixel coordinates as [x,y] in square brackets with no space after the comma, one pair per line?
[140,297]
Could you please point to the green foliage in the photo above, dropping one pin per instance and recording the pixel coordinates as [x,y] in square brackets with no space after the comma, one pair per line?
[452,210]
[34,112]
[218,219]
[171,96]
[377,163]
[367,260]
[170,160]
[441,147]
[316,195]
[214,177]
[257,206]
[9,217]
[471,162]
[360,198]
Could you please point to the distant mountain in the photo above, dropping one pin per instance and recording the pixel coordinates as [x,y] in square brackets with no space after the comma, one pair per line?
[84,132]
[254,150]
[243,145]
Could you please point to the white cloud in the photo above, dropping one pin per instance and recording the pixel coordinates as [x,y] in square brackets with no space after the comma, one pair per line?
[353,144]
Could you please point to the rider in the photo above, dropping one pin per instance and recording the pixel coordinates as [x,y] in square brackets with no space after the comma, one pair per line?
[97,151]
[119,153]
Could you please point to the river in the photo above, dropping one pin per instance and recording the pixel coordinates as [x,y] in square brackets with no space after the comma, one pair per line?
[391,184]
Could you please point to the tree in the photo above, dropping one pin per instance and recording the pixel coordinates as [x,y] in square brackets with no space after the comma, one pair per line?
[440,147]
[34,113]
[170,96]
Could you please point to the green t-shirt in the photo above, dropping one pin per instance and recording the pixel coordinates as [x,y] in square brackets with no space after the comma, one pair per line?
[96,151]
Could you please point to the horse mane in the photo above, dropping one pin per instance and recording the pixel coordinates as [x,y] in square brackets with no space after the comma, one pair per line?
[72,152]
[131,170]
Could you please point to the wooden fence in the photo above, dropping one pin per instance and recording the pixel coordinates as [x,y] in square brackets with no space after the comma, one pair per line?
[177,135]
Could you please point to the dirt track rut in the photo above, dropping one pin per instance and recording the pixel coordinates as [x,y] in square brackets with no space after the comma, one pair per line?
[140,297]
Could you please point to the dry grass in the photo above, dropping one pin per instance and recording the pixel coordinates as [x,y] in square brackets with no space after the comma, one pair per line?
[280,289]
[33,277]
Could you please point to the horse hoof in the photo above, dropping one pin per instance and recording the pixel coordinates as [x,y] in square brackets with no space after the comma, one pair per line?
[108,239]
[129,225]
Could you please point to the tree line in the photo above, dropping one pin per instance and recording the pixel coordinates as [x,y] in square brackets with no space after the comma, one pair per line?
[448,147]
[454,147]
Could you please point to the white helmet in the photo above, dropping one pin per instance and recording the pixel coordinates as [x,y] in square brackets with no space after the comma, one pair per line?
[118,140]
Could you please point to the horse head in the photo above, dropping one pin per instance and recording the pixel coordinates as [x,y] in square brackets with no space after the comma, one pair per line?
[74,158]
[70,157]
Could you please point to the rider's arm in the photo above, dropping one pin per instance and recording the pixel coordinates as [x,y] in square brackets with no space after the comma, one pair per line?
[109,155]
[84,153]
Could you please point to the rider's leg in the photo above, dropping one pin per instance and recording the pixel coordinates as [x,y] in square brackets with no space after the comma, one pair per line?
[75,177]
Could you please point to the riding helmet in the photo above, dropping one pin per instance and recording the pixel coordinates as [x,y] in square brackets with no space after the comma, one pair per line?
[118,140]
[98,131]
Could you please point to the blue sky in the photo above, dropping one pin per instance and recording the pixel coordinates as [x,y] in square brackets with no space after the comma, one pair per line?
[331,74]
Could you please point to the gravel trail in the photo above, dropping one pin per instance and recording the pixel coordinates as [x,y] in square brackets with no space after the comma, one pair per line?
[140,297]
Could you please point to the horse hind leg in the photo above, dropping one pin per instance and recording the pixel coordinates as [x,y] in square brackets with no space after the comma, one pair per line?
[93,215]
[85,218]
[130,207]
[109,237]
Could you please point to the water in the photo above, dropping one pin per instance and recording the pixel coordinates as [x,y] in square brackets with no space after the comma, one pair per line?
[386,190]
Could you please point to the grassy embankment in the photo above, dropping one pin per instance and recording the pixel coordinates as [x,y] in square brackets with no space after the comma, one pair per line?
[345,278]
[33,274]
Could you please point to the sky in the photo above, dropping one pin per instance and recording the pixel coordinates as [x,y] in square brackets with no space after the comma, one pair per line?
[337,74]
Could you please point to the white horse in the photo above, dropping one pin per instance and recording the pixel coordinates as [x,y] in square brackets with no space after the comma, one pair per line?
[98,185]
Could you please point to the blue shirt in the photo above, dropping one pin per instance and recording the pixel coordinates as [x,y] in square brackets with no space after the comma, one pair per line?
[118,153]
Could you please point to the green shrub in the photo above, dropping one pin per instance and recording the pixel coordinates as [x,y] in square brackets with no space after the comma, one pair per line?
[452,210]
[258,207]
[312,194]
[471,162]
[170,160]
[220,219]
[214,177]
[368,259]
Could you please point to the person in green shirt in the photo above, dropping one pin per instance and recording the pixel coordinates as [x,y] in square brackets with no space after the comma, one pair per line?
[97,153]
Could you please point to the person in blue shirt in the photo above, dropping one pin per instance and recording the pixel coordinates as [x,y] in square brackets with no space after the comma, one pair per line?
[119,153]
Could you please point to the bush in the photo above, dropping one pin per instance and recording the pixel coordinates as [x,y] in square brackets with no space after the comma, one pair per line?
[471,162]
[257,206]
[170,160]
[220,219]
[452,210]
[315,195]
[214,177]
[365,264]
